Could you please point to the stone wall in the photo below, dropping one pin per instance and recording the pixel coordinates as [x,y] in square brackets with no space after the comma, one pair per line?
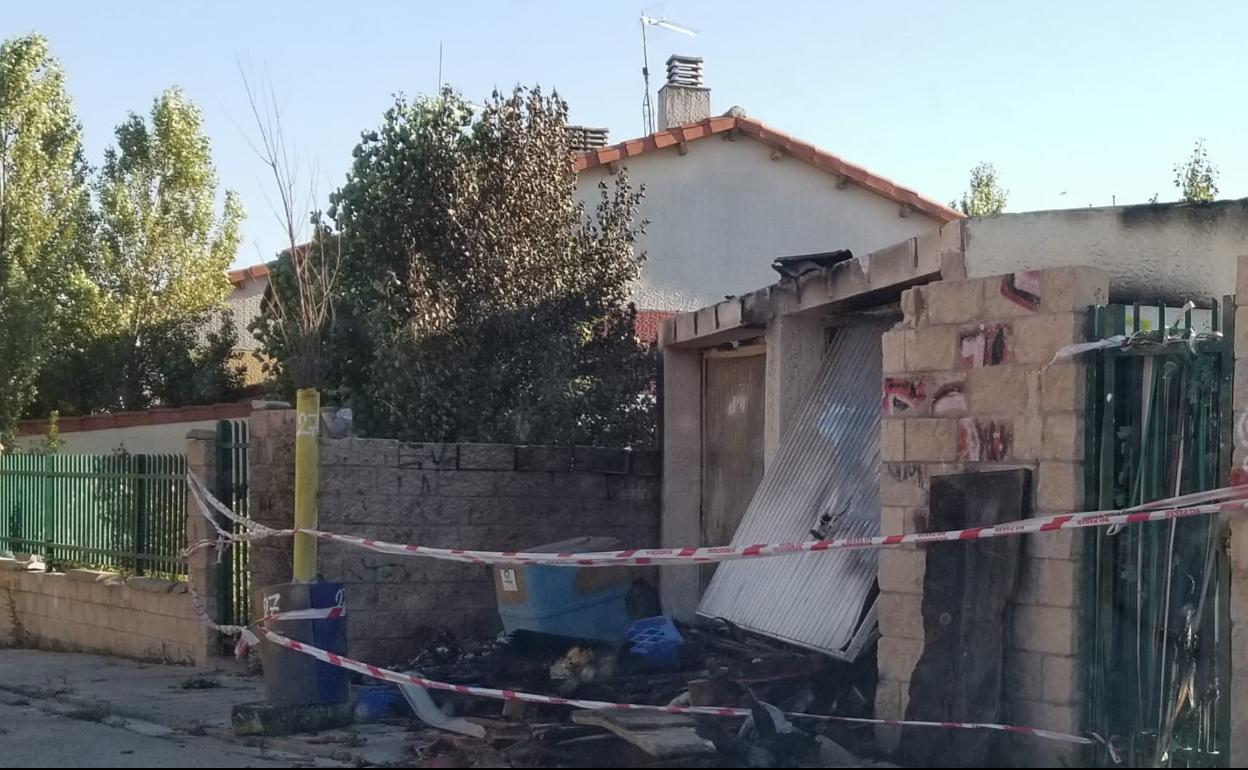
[477,496]
[966,389]
[98,612]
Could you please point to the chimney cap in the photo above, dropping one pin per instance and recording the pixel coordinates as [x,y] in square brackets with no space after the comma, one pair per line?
[684,71]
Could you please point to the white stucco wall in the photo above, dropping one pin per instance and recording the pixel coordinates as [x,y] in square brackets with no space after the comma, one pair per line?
[1163,252]
[167,438]
[721,213]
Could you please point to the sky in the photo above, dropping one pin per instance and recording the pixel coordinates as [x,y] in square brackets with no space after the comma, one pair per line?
[1075,103]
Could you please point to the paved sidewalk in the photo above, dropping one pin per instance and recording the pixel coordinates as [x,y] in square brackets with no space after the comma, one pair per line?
[126,714]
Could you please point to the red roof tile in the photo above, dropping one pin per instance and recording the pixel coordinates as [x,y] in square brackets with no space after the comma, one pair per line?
[754,129]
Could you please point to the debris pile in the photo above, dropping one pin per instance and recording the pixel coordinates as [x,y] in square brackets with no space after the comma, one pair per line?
[718,665]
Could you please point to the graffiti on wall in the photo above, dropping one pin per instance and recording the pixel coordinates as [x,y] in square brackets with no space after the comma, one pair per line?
[988,441]
[985,345]
[1023,289]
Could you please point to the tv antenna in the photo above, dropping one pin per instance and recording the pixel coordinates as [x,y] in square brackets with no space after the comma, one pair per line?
[647,106]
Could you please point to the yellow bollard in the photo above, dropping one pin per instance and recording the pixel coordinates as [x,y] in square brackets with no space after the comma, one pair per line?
[307,481]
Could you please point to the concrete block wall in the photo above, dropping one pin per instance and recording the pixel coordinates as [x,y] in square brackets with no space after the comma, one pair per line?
[967,387]
[84,611]
[477,496]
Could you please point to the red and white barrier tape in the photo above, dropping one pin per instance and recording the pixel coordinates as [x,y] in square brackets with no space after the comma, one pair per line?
[1164,510]
[376,672]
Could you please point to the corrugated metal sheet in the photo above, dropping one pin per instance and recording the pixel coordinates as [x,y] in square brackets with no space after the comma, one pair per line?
[828,462]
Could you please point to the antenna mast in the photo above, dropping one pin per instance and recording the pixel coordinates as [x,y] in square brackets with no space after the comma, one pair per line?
[647,106]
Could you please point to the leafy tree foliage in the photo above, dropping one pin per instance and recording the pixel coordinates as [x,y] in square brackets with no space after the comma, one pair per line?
[985,196]
[477,298]
[45,220]
[1197,177]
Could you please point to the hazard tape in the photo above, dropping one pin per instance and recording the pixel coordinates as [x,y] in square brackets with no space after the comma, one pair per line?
[1165,510]
[386,675]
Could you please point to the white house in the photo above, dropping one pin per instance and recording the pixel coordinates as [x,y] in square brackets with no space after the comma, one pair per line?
[726,195]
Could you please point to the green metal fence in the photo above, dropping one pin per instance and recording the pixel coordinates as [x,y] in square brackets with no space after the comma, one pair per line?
[125,512]
[231,489]
[1157,627]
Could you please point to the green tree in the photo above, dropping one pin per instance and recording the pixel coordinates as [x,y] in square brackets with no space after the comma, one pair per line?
[1197,177]
[985,196]
[477,299]
[45,219]
[163,252]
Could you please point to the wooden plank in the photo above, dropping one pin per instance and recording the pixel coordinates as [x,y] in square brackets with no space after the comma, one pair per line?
[662,736]
[966,589]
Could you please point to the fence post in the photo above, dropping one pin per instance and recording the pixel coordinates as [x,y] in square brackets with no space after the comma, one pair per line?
[141,510]
[49,507]
[202,567]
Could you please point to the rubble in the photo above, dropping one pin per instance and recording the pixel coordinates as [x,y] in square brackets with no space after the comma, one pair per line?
[719,665]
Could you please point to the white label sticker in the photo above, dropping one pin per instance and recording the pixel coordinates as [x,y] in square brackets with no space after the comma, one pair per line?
[509,580]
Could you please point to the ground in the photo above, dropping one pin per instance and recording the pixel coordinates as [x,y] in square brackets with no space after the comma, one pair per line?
[70,710]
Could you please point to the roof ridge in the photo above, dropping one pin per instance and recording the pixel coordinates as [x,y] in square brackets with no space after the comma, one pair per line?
[759,131]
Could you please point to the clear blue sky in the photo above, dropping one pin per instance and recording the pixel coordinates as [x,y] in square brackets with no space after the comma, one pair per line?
[1090,99]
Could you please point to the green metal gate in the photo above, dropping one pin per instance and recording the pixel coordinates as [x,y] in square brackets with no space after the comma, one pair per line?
[116,511]
[231,489]
[1157,613]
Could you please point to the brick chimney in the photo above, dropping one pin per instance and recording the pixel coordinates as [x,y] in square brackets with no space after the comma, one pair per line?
[683,99]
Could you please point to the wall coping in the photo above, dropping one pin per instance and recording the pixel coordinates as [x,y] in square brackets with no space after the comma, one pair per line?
[158,416]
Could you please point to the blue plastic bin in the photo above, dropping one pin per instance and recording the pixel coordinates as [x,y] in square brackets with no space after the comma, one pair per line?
[376,702]
[580,603]
[657,642]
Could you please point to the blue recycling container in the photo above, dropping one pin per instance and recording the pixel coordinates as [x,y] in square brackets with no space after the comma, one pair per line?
[293,678]
[574,602]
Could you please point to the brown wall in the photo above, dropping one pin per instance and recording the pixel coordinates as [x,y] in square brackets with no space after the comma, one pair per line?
[477,496]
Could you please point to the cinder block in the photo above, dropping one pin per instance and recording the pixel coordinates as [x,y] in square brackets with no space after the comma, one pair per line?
[913,307]
[1062,544]
[1241,280]
[1073,289]
[906,484]
[467,483]
[647,462]
[894,345]
[1024,675]
[902,571]
[898,657]
[632,488]
[1046,716]
[413,481]
[1241,332]
[1063,387]
[1049,582]
[544,458]
[1059,487]
[524,484]
[1064,437]
[931,349]
[1044,629]
[581,485]
[487,457]
[931,440]
[1011,295]
[1061,680]
[997,390]
[428,456]
[901,616]
[888,700]
[1037,339]
[360,451]
[954,302]
[600,460]
[892,441]
[1028,437]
